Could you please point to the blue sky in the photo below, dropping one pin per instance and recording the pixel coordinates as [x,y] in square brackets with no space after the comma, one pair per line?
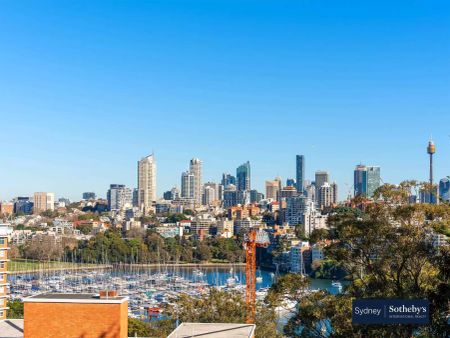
[89,87]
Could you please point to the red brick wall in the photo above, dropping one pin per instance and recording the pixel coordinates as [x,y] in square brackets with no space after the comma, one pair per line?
[75,320]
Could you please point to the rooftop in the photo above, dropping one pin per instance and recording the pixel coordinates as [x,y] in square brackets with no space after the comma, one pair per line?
[213,330]
[73,298]
[11,328]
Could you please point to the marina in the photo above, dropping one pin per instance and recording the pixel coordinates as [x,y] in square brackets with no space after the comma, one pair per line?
[149,290]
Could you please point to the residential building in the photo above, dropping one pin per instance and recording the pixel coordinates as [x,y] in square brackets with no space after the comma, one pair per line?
[119,197]
[243,211]
[187,185]
[146,183]
[76,315]
[216,188]
[225,228]
[272,188]
[246,223]
[201,225]
[328,195]
[313,219]
[243,177]
[43,201]
[209,195]
[295,208]
[6,208]
[367,179]
[5,232]
[287,192]
[300,173]
[298,260]
[195,167]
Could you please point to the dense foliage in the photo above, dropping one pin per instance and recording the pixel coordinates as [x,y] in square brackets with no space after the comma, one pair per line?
[389,252]
[15,310]
[150,247]
[223,307]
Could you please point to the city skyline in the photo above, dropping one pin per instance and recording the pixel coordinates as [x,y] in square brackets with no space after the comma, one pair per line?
[225,82]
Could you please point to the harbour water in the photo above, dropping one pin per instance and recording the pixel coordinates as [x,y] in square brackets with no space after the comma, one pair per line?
[149,289]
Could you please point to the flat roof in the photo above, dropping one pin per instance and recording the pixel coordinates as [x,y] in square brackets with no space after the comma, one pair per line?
[73,298]
[213,330]
[11,328]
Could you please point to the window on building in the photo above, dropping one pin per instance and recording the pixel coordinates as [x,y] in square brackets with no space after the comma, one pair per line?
[2,313]
[2,253]
[2,290]
[2,241]
[2,265]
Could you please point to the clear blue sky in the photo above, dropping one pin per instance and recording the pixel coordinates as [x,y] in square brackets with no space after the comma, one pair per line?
[89,87]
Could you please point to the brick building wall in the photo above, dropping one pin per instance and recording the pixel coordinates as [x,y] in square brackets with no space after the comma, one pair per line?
[75,320]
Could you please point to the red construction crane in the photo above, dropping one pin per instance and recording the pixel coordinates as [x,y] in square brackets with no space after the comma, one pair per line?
[254,239]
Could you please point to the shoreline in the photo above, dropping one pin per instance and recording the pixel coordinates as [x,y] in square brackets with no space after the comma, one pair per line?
[186,265]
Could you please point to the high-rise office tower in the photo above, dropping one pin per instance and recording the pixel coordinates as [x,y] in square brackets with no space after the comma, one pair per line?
[255,196]
[228,179]
[290,182]
[195,167]
[272,188]
[119,197]
[321,177]
[243,177]
[146,182]
[300,173]
[367,179]
[444,188]
[43,201]
[89,196]
[187,184]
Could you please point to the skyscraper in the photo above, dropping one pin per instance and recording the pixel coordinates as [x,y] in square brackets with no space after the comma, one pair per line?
[273,188]
[187,184]
[146,183]
[444,188]
[243,177]
[321,177]
[228,179]
[366,180]
[195,167]
[300,173]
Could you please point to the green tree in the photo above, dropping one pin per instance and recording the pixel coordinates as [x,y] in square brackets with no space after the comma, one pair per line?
[15,309]
[388,252]
[138,328]
[223,307]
